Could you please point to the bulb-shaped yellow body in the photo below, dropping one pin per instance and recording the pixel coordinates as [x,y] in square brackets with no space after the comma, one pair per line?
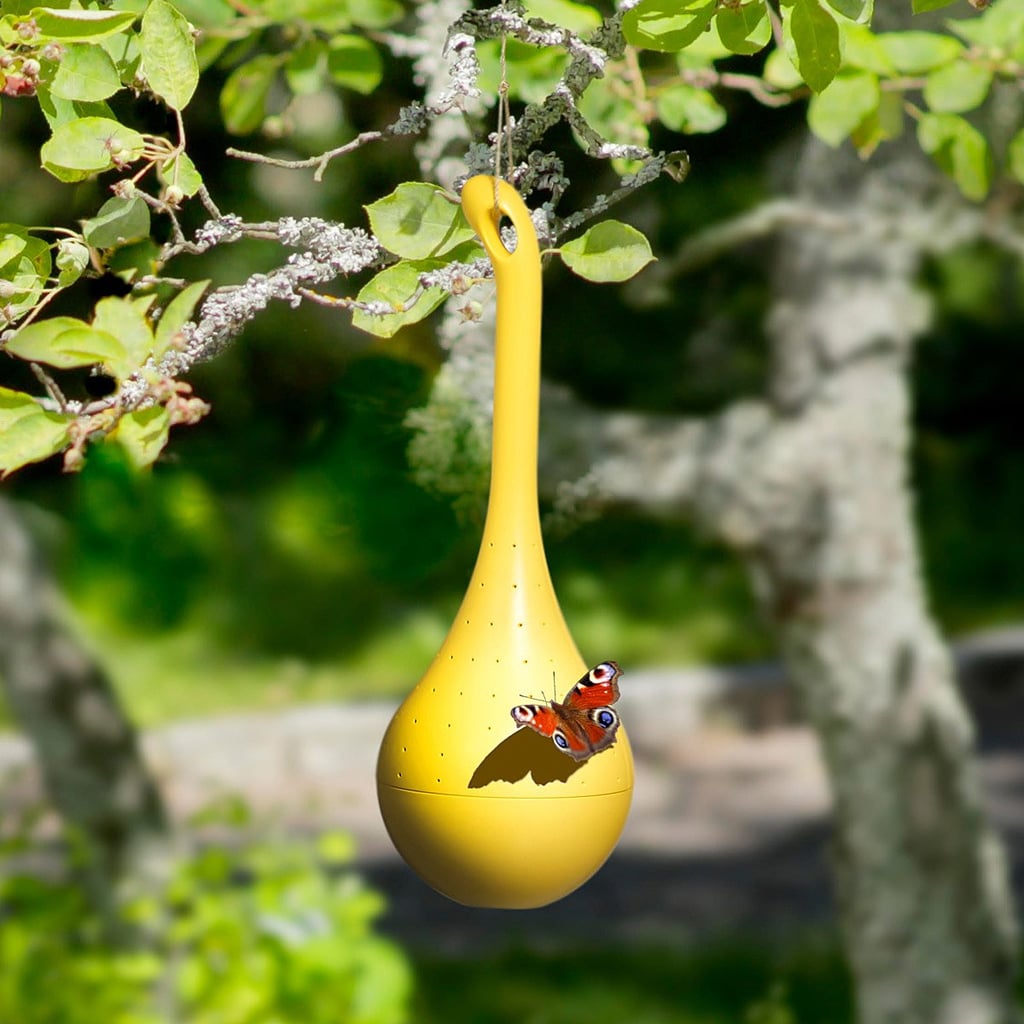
[488,815]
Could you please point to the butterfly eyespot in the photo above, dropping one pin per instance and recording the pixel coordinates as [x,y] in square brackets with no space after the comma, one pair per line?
[605,717]
[560,741]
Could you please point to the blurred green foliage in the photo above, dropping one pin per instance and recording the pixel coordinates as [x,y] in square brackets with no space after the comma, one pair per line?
[271,933]
[727,980]
[280,551]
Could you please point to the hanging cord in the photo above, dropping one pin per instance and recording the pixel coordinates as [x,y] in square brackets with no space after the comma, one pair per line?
[504,115]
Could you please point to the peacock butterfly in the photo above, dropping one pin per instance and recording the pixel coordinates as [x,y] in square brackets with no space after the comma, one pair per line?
[583,724]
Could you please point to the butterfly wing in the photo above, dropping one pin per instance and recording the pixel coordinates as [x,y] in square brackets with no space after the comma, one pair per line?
[597,689]
[584,724]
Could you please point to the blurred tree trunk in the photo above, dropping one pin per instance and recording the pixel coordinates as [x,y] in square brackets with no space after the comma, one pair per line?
[86,748]
[923,885]
[811,488]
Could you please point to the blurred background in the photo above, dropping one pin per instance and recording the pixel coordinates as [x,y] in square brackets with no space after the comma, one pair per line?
[264,597]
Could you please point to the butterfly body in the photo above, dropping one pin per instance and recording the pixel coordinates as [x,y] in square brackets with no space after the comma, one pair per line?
[583,724]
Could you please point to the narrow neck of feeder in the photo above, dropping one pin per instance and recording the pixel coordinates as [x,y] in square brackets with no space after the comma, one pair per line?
[512,508]
[517,382]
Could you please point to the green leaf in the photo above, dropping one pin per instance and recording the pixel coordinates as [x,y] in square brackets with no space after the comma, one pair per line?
[1015,155]
[90,144]
[305,68]
[354,63]
[85,72]
[999,28]
[58,110]
[685,108]
[779,71]
[417,220]
[207,13]
[28,433]
[836,112]
[914,53]
[26,272]
[666,25]
[885,122]
[180,172]
[957,87]
[374,14]
[395,285]
[608,252]
[79,26]
[177,313]
[744,29]
[579,18]
[815,36]
[65,342]
[143,435]
[858,11]
[612,114]
[923,6]
[243,100]
[12,244]
[130,261]
[532,72]
[168,54]
[125,319]
[862,49]
[959,149]
[118,221]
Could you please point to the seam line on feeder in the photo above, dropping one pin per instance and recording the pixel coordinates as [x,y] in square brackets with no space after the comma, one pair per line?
[506,796]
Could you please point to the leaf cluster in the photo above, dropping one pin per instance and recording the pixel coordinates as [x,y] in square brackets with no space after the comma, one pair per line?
[670,65]
[273,932]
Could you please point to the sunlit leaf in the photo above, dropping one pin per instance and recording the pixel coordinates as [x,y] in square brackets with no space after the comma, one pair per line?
[178,313]
[914,53]
[835,113]
[580,18]
[68,26]
[1015,154]
[396,285]
[957,87]
[169,54]
[85,72]
[959,149]
[117,221]
[859,11]
[816,38]
[65,342]
[125,319]
[143,435]
[354,63]
[180,172]
[417,221]
[685,108]
[744,29]
[306,66]
[666,25]
[91,144]
[608,252]
[243,100]
[28,433]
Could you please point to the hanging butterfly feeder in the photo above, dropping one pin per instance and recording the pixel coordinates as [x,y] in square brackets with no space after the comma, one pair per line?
[494,799]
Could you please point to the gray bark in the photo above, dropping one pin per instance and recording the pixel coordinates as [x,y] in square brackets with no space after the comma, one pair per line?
[925,901]
[811,488]
[87,749]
